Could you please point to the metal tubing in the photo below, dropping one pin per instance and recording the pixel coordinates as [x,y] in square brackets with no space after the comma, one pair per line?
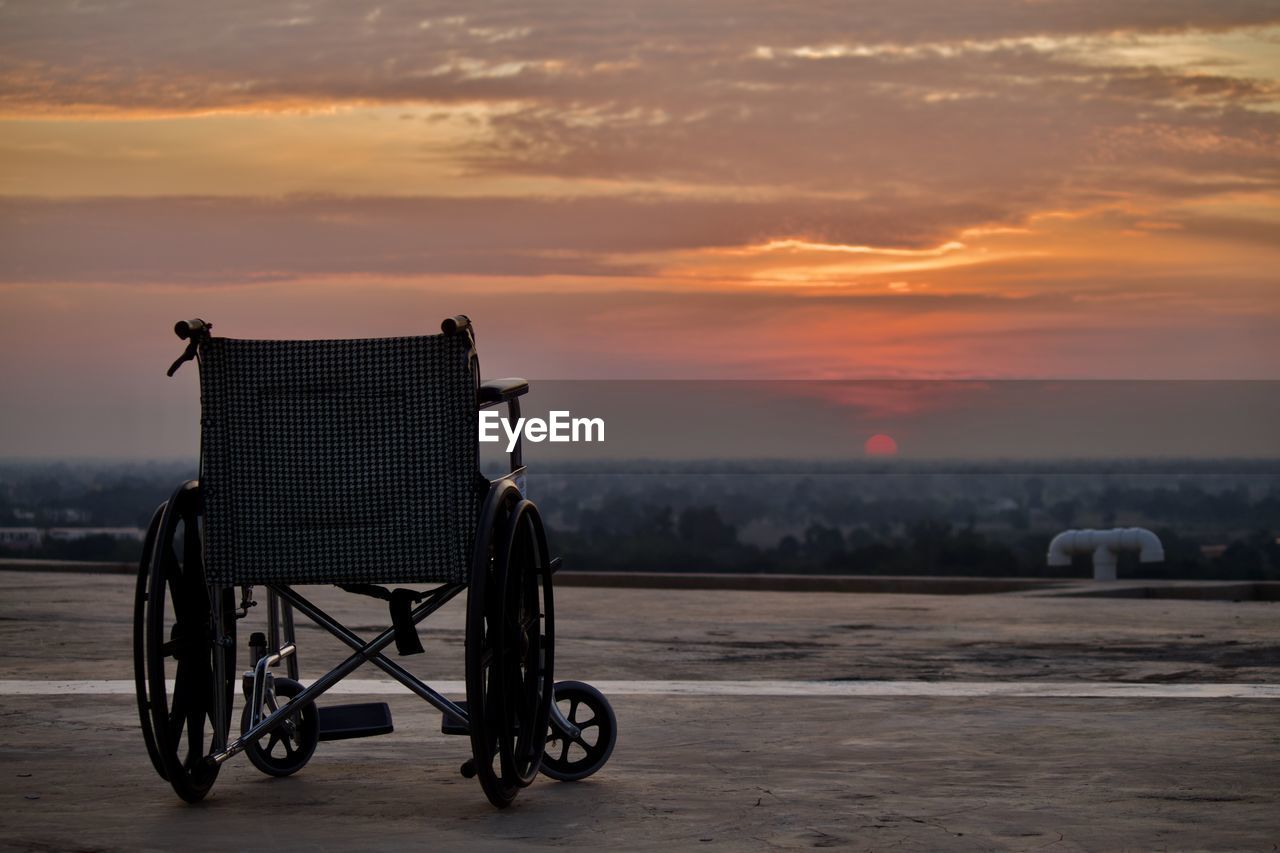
[513,415]
[371,650]
[260,679]
[562,722]
[286,612]
[278,718]
[273,622]
[221,709]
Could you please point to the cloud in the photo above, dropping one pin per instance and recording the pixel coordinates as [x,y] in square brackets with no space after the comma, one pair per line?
[999,107]
[147,240]
[921,96]
[80,51]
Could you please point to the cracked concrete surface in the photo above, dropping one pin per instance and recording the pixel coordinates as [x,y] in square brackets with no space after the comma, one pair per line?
[705,772]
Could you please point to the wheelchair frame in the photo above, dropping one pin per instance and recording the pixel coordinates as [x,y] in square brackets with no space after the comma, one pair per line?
[516,722]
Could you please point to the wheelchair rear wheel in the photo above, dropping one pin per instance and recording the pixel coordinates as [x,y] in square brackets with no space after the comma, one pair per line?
[140,643]
[510,653]
[174,643]
[528,638]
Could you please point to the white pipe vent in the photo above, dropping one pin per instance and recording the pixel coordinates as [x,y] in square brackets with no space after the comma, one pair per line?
[1105,545]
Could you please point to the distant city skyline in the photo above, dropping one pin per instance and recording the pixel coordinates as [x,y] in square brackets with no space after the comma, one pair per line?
[652,191]
[813,421]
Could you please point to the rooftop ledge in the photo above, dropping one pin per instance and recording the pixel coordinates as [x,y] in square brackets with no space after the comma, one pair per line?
[867,584]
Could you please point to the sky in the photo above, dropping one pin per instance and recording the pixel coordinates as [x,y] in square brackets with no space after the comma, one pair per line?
[652,190]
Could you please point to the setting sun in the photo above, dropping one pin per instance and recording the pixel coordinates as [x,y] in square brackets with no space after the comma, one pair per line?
[880,445]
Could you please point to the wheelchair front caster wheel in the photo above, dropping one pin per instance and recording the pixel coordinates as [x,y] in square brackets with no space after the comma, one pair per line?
[568,758]
[287,749]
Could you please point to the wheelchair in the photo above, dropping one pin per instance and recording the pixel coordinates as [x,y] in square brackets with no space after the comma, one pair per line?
[352,463]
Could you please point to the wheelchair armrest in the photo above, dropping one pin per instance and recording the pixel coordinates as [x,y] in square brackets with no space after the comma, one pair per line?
[496,391]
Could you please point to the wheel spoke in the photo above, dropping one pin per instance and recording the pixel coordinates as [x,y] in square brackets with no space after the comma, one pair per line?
[195,736]
[174,733]
[200,709]
[177,709]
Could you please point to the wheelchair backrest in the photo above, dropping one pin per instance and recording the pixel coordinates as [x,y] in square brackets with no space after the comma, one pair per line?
[339,461]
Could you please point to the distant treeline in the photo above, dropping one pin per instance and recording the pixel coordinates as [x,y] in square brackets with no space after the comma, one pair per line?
[700,540]
[1217,519]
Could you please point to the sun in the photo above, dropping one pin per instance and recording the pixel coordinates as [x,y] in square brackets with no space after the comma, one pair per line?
[880,445]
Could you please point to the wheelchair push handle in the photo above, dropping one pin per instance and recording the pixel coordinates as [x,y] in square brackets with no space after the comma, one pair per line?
[187,329]
[193,332]
[456,324]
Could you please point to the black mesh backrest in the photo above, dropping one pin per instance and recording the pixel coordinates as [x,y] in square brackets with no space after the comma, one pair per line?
[338,461]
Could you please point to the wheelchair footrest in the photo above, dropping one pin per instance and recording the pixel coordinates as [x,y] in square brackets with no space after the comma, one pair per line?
[452,725]
[367,719]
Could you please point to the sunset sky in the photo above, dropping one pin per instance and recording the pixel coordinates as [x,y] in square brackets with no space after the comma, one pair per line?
[919,189]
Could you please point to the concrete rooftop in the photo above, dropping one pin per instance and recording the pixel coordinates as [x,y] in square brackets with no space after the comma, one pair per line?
[976,770]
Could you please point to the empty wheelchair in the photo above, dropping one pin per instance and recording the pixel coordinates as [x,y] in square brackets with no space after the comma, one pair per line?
[353,463]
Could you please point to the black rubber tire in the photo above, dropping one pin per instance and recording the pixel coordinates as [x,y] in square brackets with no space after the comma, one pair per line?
[483,598]
[528,637]
[508,700]
[290,747]
[139,642]
[177,626]
[599,733]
